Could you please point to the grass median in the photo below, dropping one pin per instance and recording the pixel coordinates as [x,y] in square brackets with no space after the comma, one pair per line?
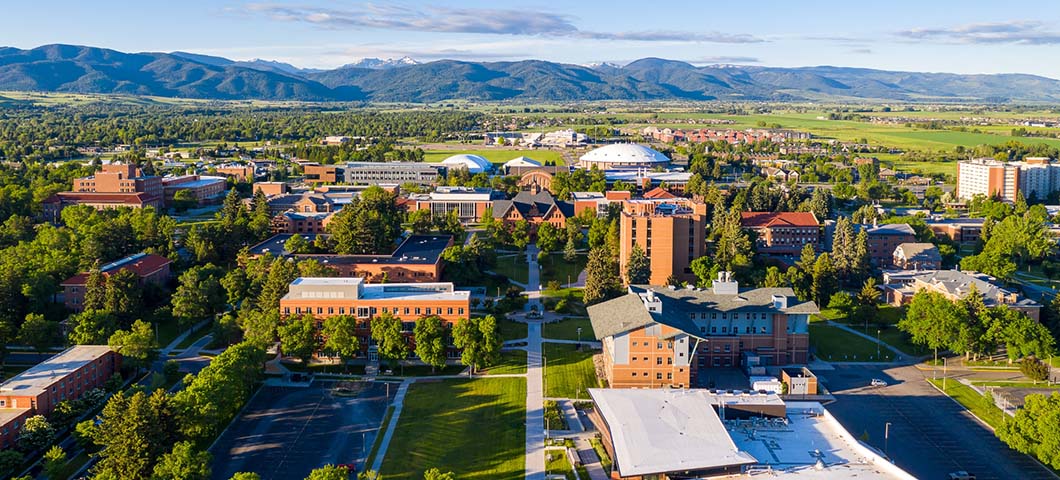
[568,372]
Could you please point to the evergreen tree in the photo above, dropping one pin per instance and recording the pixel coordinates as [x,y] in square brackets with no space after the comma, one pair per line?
[733,249]
[570,250]
[601,276]
[638,267]
[824,279]
[134,432]
[95,290]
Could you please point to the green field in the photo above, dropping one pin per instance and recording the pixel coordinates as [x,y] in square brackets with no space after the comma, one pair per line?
[513,266]
[474,428]
[495,155]
[568,330]
[511,362]
[556,463]
[511,330]
[568,372]
[836,345]
[554,267]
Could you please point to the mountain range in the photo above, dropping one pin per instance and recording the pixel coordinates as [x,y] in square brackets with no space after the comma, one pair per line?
[81,69]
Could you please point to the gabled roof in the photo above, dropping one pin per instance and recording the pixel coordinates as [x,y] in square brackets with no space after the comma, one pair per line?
[778,219]
[525,202]
[918,251]
[658,192]
[141,264]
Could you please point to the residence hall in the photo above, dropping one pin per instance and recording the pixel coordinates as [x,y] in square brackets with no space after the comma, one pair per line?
[65,376]
[669,230]
[148,267]
[782,234]
[662,337]
[900,286]
[205,189]
[917,256]
[417,260]
[665,434]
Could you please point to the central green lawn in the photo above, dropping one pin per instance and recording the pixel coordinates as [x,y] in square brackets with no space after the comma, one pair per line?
[511,330]
[513,267]
[834,344]
[981,406]
[554,267]
[568,329]
[474,428]
[511,362]
[568,372]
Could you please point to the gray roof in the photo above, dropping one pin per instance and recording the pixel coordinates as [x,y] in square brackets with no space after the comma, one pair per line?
[888,229]
[922,252]
[628,312]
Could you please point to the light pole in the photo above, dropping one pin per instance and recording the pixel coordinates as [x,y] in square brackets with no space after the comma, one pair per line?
[943,374]
[579,335]
[886,438]
[877,344]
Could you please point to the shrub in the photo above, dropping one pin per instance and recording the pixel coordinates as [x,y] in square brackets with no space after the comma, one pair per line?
[1034,369]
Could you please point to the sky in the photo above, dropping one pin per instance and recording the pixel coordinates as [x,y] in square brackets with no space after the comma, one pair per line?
[926,35]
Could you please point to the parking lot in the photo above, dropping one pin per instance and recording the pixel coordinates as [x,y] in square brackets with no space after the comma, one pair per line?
[930,435]
[286,432]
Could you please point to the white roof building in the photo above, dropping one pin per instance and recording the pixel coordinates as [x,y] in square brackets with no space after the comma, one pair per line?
[521,162]
[473,163]
[623,155]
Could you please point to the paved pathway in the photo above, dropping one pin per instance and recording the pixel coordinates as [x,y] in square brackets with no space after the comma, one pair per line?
[533,279]
[399,399]
[589,459]
[573,422]
[535,414]
[180,338]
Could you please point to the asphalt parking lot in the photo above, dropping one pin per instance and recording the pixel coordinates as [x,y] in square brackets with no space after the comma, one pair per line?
[930,435]
[286,432]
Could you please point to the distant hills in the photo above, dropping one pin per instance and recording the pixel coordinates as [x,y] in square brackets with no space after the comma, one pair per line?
[80,69]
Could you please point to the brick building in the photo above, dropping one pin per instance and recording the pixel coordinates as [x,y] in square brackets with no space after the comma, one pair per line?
[206,189]
[150,268]
[536,207]
[670,231]
[961,230]
[317,173]
[468,203]
[917,256]
[242,173]
[782,233]
[884,239]
[900,287]
[664,337]
[116,185]
[65,376]
[417,260]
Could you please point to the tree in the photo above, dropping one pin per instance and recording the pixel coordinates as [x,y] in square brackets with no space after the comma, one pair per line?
[932,320]
[198,295]
[450,224]
[245,476]
[134,432]
[1022,335]
[137,345]
[638,267]
[38,332]
[824,282]
[570,250]
[429,336]
[95,290]
[329,472]
[260,223]
[548,237]
[298,337]
[1033,430]
[280,275]
[123,297]
[340,337]
[92,327]
[184,462]
[1034,369]
[774,278]
[236,285]
[435,474]
[868,297]
[10,460]
[386,332]
[297,244]
[420,221]
[183,200]
[733,249]
[520,234]
[601,276]
[479,340]
[36,433]
[368,225]
[54,463]
[705,271]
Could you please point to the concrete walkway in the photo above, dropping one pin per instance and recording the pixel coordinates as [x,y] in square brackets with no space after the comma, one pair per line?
[580,282]
[533,282]
[180,338]
[399,399]
[573,422]
[590,460]
[535,412]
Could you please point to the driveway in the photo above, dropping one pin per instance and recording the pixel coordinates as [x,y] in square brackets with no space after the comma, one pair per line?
[930,435]
[286,432]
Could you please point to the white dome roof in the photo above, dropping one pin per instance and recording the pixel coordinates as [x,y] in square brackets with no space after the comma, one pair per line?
[625,153]
[473,163]
[522,162]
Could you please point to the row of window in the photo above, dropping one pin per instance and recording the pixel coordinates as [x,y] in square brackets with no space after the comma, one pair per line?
[725,316]
[735,330]
[364,312]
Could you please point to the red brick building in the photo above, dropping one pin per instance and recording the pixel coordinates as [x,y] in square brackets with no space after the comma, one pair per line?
[116,185]
[65,376]
[206,189]
[884,239]
[664,337]
[670,231]
[417,260]
[150,268]
[782,233]
[536,207]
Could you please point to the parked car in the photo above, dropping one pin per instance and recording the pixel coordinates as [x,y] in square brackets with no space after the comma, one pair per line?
[878,383]
[961,475]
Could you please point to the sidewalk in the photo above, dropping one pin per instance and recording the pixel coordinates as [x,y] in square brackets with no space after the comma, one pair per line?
[535,412]
[399,399]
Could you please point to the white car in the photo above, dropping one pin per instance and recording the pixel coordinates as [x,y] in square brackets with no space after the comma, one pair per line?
[878,383]
[962,475]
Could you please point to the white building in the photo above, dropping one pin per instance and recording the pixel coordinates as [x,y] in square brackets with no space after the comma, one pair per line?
[1036,177]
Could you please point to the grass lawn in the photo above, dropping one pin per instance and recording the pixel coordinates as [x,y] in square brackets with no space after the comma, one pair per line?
[511,330]
[556,268]
[167,332]
[513,267]
[556,463]
[1024,384]
[574,297]
[568,329]
[895,338]
[194,336]
[370,459]
[474,428]
[605,459]
[981,406]
[495,155]
[834,344]
[512,362]
[568,372]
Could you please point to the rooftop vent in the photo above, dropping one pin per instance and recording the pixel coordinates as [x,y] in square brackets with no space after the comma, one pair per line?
[725,285]
[780,302]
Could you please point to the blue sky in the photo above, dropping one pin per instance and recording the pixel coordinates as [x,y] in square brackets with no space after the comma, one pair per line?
[925,35]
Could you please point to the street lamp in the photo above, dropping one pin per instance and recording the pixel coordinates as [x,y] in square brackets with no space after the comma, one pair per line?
[877,344]
[886,438]
[579,335]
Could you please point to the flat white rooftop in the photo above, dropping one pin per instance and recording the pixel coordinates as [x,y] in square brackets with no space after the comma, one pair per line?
[42,375]
[355,288]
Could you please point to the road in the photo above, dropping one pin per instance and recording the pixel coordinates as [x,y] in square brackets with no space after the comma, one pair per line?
[930,435]
[286,432]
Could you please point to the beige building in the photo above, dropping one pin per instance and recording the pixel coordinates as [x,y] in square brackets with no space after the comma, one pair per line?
[670,231]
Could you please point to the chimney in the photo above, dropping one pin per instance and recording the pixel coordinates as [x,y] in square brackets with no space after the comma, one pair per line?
[780,302]
[725,285]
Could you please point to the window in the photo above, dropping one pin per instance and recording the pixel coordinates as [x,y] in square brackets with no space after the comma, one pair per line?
[460,311]
[658,345]
[450,310]
[658,376]
[406,310]
[669,360]
[669,375]
[724,329]
[634,374]
[658,360]
[417,310]
[331,310]
[713,329]
[320,310]
[728,348]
